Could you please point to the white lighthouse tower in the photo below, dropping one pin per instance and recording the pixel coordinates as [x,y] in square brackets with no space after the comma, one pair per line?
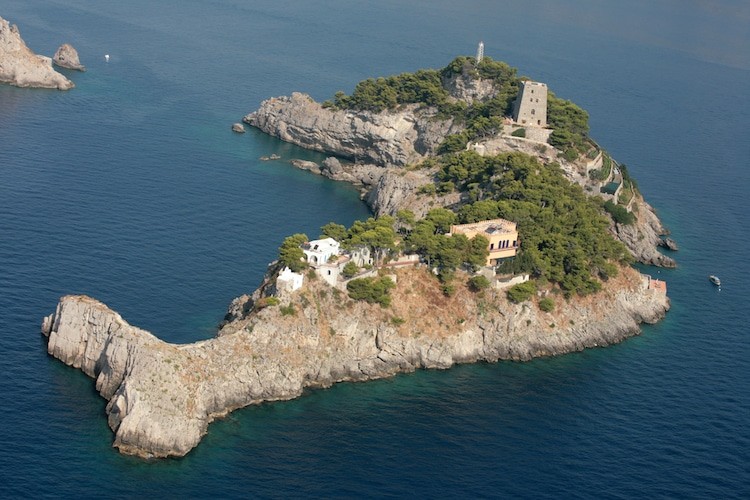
[480,52]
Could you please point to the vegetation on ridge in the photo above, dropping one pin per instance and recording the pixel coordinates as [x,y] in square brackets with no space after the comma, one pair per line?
[481,118]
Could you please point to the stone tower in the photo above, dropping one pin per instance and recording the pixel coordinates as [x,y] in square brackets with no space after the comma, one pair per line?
[530,107]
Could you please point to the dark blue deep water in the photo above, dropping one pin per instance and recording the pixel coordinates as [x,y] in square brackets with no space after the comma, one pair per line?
[131,188]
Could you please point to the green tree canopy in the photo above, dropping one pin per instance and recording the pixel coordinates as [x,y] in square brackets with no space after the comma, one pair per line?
[442,219]
[371,290]
[564,233]
[290,253]
[332,230]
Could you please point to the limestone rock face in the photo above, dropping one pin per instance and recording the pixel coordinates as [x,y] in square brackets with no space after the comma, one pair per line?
[19,66]
[397,189]
[669,244]
[384,139]
[67,57]
[644,236]
[332,165]
[162,397]
[468,89]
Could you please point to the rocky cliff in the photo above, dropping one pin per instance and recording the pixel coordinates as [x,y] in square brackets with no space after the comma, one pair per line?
[19,66]
[385,139]
[163,396]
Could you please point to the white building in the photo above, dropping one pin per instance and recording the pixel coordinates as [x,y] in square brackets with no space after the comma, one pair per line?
[361,256]
[318,252]
[288,281]
[329,272]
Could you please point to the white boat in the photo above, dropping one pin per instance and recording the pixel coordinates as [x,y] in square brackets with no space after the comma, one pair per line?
[715,280]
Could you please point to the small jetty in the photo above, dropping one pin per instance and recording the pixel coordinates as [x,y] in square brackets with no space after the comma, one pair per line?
[658,285]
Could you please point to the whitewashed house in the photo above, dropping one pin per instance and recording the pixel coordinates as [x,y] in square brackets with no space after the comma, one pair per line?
[319,252]
[329,272]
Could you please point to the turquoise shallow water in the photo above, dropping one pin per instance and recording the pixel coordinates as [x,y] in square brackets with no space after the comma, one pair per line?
[131,188]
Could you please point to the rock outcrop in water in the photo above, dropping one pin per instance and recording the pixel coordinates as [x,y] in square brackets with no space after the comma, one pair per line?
[163,396]
[67,57]
[19,66]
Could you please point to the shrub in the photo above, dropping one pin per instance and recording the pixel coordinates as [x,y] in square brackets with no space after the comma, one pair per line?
[478,283]
[547,304]
[599,174]
[287,310]
[521,292]
[372,291]
[519,132]
[570,154]
[266,302]
[350,269]
[445,187]
[426,189]
[619,213]
[449,289]
[453,143]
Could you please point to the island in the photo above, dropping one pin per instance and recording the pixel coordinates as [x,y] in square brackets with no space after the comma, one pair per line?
[501,232]
[21,67]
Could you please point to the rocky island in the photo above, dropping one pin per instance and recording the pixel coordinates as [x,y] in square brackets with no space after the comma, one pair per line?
[21,67]
[66,56]
[489,244]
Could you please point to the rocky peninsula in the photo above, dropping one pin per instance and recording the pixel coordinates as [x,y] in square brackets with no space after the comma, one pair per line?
[161,396]
[314,331]
[21,67]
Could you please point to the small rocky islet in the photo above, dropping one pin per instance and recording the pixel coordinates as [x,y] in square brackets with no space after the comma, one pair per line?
[21,67]
[396,138]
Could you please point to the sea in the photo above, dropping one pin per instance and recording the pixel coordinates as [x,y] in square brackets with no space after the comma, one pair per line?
[132,188]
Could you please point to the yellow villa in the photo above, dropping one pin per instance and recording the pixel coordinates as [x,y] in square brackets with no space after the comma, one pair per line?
[502,235]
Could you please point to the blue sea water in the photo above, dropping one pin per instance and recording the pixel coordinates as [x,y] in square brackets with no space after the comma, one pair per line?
[132,188]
